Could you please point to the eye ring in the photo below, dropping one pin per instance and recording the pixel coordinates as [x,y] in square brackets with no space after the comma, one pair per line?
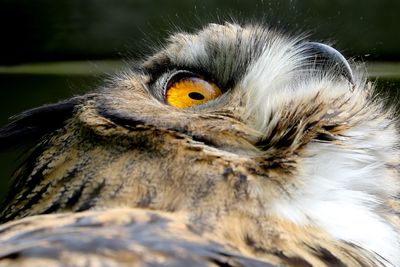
[185,89]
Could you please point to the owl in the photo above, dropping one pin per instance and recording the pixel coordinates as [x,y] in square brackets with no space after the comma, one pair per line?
[236,145]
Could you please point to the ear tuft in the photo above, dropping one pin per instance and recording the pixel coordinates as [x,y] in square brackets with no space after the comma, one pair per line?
[32,124]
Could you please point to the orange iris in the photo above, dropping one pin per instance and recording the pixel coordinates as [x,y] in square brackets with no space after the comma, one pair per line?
[192,91]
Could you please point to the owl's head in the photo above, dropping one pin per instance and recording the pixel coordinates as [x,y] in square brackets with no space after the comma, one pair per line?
[269,141]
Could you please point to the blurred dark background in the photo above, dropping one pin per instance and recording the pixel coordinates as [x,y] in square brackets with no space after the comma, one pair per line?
[50,50]
[43,30]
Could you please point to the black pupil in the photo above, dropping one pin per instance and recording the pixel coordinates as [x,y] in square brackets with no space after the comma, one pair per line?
[196,96]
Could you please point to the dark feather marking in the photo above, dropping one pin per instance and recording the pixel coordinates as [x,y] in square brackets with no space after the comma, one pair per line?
[227,172]
[55,205]
[146,200]
[325,137]
[265,143]
[13,255]
[202,192]
[118,190]
[330,258]
[329,127]
[253,245]
[293,261]
[220,263]
[199,138]
[240,183]
[75,196]
[296,261]
[70,174]
[287,139]
[237,260]
[91,200]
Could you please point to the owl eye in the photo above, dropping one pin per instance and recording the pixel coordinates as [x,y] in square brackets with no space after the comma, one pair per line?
[189,91]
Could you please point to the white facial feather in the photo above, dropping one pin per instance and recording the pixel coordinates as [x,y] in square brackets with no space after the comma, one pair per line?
[270,76]
[341,186]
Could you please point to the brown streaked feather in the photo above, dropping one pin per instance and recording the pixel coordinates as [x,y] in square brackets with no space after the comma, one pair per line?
[120,237]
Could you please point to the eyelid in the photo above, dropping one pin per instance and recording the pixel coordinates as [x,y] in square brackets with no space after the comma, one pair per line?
[175,76]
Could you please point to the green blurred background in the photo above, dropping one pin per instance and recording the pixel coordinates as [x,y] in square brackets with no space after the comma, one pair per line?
[53,49]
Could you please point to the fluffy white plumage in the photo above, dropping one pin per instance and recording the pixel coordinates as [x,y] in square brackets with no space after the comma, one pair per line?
[341,186]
